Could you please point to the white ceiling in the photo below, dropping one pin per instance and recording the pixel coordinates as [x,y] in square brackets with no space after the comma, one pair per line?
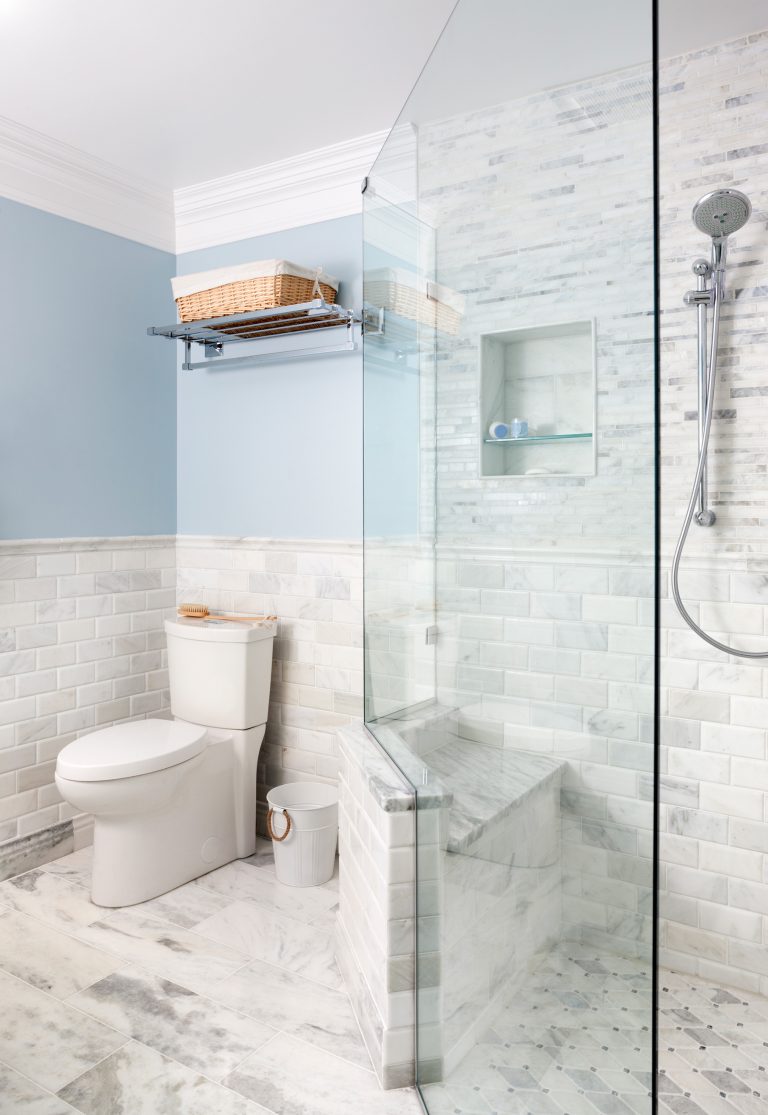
[182,91]
[686,25]
[519,47]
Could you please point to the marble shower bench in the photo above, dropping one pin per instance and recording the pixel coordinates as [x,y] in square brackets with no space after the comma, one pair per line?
[488,876]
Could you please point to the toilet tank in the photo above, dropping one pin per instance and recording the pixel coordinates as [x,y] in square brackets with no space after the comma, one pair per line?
[220,671]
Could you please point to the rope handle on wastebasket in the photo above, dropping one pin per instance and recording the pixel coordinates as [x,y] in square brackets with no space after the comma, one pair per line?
[288,825]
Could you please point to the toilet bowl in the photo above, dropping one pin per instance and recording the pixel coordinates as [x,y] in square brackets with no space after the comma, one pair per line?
[173,799]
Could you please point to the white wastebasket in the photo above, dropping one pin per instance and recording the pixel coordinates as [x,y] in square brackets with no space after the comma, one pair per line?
[303,821]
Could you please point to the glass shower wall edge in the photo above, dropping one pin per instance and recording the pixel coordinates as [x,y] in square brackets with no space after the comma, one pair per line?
[399,437]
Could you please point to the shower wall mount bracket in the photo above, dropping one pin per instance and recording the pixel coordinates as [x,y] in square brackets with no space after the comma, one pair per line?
[698,298]
[703,299]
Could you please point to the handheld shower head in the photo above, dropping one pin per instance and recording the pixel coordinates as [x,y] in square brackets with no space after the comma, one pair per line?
[721,212]
[718,214]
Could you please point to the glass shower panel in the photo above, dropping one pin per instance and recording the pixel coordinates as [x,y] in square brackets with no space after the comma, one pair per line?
[399,417]
[510,548]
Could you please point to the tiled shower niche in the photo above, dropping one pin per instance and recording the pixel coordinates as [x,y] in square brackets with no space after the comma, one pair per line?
[545,376]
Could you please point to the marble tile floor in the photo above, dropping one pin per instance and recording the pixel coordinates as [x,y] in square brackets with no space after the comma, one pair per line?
[223,997]
[576,1041]
[220,998]
[713,1048]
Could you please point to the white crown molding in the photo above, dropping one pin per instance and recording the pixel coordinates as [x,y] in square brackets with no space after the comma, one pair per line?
[316,186]
[47,174]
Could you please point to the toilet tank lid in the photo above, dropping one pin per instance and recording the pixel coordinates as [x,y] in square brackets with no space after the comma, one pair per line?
[125,750]
[220,631]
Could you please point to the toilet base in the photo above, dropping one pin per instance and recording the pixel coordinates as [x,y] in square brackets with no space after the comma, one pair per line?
[146,872]
[207,819]
[138,858]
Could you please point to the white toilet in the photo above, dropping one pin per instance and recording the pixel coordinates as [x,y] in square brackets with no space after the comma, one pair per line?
[173,799]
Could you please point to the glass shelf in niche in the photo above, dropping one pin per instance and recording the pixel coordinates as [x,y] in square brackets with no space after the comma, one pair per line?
[532,439]
[545,374]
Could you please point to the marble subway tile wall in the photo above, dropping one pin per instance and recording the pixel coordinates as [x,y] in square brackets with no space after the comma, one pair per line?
[578,161]
[81,647]
[714,780]
[377,903]
[399,611]
[544,642]
[557,657]
[315,589]
[715,773]
[712,110]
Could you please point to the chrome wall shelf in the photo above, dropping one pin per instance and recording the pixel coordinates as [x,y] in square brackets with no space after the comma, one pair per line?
[300,320]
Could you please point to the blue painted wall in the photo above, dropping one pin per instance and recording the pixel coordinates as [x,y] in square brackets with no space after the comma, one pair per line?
[87,400]
[101,434]
[392,419]
[276,451]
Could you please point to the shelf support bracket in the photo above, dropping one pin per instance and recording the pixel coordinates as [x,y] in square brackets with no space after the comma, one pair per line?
[373,320]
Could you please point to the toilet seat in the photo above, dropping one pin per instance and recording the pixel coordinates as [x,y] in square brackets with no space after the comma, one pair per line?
[125,750]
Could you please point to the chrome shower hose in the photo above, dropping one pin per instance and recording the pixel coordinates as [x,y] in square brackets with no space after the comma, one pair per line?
[711,385]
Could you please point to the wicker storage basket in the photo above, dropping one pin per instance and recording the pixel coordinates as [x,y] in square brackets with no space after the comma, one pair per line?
[250,286]
[403,293]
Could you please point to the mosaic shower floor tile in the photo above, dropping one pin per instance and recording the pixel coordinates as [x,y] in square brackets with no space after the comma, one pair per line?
[576,1041]
[713,1048]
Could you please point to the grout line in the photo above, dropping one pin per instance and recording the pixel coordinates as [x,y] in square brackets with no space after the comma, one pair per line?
[205,997]
[127,964]
[247,961]
[63,929]
[71,932]
[63,1003]
[188,1069]
[266,877]
[358,1027]
[278,968]
[252,959]
[259,1049]
[35,1084]
[58,931]
[132,967]
[81,990]
[328,1053]
[94,1066]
